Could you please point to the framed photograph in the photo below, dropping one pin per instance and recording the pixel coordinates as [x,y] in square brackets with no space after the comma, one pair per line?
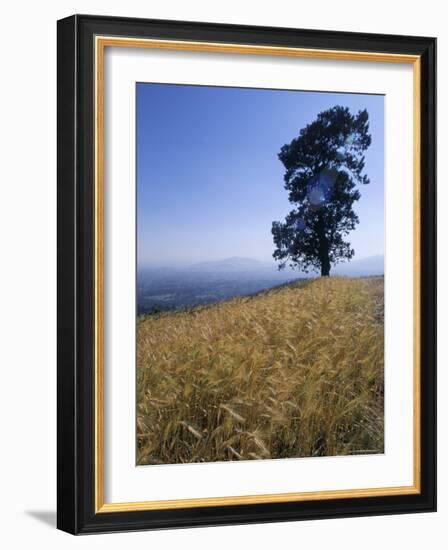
[246,274]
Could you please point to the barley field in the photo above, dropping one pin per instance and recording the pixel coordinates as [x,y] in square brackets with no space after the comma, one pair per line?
[296,371]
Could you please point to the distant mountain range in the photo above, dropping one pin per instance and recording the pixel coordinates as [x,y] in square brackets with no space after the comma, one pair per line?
[373,265]
[232,264]
[166,288]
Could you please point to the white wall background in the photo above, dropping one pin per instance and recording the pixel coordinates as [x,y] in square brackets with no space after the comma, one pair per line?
[28,272]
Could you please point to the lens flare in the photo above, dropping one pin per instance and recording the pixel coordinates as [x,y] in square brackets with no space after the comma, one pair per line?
[316,197]
[349,140]
[320,188]
[340,153]
[300,224]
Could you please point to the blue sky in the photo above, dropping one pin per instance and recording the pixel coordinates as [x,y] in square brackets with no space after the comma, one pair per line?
[209,182]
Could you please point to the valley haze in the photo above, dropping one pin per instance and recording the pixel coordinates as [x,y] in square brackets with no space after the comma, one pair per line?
[164,288]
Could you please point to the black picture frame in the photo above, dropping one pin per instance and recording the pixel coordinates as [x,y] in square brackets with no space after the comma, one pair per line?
[76,286]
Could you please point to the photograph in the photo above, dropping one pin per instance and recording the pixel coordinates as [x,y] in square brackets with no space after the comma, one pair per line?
[246,221]
[260,274]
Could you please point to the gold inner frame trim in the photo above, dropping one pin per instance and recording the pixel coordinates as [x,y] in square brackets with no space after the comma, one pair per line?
[101,42]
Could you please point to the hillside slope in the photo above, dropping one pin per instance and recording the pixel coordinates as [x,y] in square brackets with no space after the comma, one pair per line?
[292,372]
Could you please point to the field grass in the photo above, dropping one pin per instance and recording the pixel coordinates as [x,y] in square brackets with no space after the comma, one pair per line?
[292,372]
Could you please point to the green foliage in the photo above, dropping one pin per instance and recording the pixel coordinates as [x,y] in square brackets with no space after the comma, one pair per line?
[323,167]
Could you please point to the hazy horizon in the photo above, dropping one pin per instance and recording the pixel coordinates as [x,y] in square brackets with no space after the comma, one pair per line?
[209,182]
[182,264]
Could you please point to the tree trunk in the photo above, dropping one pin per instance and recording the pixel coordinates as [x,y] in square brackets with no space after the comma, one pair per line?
[324,249]
[325,267]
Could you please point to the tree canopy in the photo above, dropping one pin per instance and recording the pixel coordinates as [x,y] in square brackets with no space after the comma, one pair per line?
[323,167]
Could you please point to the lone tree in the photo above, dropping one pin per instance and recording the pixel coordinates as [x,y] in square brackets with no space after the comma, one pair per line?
[323,166]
